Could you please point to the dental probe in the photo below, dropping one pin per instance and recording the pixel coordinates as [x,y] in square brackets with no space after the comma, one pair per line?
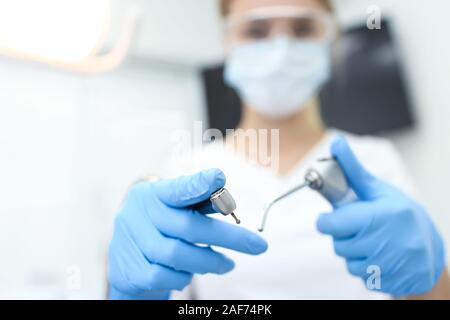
[327,178]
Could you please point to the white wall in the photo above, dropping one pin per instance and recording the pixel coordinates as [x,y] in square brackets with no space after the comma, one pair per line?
[70,145]
[183,31]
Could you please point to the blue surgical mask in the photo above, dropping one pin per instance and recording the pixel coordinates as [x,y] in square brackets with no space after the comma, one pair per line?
[277,77]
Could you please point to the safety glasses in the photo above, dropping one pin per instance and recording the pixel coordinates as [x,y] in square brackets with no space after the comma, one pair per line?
[266,23]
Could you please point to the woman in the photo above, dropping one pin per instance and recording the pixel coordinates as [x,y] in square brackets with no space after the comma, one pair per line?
[279,54]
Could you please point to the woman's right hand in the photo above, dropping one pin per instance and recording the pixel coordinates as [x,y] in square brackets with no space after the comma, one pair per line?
[155,249]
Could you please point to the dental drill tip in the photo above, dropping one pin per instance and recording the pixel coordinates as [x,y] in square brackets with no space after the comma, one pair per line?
[235,218]
[260,229]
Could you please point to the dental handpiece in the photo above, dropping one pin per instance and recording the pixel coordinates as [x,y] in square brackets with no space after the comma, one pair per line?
[327,178]
[223,202]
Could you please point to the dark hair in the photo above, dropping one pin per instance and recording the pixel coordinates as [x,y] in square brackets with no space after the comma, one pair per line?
[225,6]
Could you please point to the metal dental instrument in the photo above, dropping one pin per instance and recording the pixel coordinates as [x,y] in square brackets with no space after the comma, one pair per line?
[273,202]
[223,202]
[327,178]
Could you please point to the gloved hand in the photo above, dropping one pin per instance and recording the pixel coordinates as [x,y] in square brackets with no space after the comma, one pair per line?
[154,251]
[386,229]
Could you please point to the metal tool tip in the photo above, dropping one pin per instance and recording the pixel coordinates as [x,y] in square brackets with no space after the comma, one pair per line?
[236,219]
[260,229]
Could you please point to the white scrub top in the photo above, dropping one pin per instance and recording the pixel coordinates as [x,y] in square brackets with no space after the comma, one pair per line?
[300,262]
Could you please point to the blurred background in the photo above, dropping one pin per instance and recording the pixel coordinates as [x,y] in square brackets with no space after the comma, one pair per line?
[92,90]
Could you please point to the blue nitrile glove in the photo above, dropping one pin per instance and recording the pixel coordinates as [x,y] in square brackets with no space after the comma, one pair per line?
[385,229]
[154,251]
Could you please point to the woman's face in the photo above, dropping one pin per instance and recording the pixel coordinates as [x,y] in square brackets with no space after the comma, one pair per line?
[278,53]
[248,20]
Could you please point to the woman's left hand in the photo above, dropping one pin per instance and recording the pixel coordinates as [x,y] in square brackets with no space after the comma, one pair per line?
[386,238]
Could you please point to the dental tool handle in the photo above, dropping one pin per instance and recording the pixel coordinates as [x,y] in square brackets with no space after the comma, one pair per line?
[222,201]
[327,178]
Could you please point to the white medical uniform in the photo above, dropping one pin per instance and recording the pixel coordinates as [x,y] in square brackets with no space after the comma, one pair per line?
[300,262]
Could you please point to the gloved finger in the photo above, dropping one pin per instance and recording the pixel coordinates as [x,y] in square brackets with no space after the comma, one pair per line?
[204,207]
[115,294]
[190,190]
[351,248]
[365,185]
[182,256]
[172,253]
[346,221]
[194,227]
[130,272]
[357,267]
[156,277]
